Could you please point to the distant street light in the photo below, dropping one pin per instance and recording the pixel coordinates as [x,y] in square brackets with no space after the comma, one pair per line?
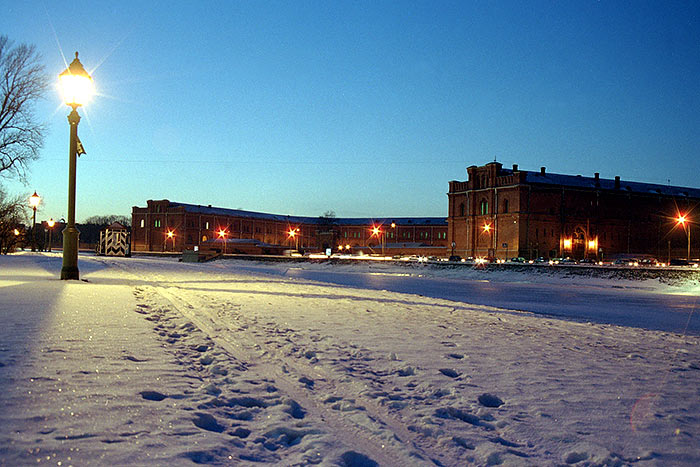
[378,232]
[51,223]
[222,236]
[170,235]
[34,203]
[76,87]
[683,220]
[293,234]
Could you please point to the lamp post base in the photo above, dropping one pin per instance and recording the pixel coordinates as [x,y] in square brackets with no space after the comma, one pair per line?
[70,273]
[70,254]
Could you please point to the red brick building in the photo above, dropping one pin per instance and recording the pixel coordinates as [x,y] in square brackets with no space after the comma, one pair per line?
[503,213]
[168,226]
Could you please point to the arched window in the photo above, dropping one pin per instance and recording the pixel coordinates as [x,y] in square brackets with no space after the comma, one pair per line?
[484,207]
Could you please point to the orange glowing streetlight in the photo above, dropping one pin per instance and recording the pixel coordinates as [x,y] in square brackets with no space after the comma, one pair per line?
[487,228]
[170,235]
[376,230]
[683,220]
[222,235]
[293,234]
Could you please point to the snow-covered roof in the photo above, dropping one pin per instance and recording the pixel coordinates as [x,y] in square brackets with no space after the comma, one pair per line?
[404,221]
[608,184]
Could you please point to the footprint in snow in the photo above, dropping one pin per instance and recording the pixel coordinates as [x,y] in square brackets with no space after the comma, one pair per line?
[152,395]
[134,359]
[309,383]
[489,400]
[207,422]
[449,372]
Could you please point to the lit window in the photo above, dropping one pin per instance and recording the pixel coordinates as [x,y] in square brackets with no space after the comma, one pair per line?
[206,225]
[156,223]
[143,223]
[484,207]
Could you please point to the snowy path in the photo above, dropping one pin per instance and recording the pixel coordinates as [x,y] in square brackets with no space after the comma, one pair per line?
[168,364]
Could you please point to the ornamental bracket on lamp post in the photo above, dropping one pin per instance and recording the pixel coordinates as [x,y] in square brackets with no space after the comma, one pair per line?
[77,87]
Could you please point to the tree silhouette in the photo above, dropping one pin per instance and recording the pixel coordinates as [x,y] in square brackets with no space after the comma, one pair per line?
[22,83]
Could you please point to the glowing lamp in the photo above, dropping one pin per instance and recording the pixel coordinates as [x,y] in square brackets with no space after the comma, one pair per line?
[76,84]
[376,231]
[681,219]
[51,223]
[591,244]
[222,233]
[487,227]
[16,232]
[171,234]
[34,200]
[567,243]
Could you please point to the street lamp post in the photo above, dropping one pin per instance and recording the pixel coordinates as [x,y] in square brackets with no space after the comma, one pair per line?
[34,203]
[51,223]
[487,230]
[222,236]
[380,236]
[683,220]
[77,88]
[293,234]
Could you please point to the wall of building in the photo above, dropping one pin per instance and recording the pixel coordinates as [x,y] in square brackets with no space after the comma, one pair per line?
[151,224]
[502,213]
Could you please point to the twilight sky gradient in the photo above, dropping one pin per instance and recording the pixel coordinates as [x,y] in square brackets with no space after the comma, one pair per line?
[368,108]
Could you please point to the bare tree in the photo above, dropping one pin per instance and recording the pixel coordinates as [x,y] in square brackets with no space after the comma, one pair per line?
[22,83]
[107,220]
[12,221]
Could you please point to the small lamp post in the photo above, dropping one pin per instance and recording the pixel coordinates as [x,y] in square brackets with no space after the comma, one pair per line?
[34,203]
[683,220]
[51,223]
[222,236]
[380,236]
[293,234]
[76,87]
[170,235]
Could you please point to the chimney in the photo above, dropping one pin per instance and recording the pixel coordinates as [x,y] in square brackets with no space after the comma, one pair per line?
[542,169]
[617,182]
[597,178]
[515,167]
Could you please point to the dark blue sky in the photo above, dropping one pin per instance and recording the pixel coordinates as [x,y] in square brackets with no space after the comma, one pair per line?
[366,108]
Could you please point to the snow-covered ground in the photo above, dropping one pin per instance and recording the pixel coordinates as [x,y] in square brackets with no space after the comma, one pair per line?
[155,362]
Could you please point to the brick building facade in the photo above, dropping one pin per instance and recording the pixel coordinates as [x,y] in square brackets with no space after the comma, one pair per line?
[253,232]
[503,213]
